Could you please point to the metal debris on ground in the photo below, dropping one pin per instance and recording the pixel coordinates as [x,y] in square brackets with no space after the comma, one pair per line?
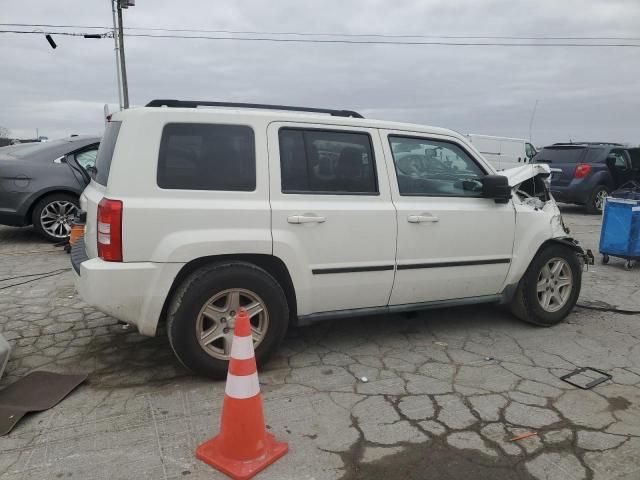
[523,436]
[364,379]
[441,344]
[586,378]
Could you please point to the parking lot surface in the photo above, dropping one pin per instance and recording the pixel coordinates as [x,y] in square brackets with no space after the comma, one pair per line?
[434,395]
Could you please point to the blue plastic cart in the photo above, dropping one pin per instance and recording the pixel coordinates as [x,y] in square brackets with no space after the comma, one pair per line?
[620,234]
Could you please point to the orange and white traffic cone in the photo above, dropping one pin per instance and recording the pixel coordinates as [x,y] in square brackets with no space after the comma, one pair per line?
[243,447]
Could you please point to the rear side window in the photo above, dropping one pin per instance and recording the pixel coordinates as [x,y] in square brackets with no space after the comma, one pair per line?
[560,155]
[105,152]
[327,162]
[200,156]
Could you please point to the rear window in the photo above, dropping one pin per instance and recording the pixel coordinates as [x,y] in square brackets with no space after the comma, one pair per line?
[198,156]
[105,152]
[560,155]
[26,149]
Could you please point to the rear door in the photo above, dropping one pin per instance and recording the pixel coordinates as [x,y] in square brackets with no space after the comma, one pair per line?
[333,221]
[452,243]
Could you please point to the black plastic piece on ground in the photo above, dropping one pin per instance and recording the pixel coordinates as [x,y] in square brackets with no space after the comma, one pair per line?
[196,104]
[582,371]
[36,392]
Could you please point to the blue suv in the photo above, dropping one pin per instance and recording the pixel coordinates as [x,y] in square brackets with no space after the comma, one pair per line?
[585,173]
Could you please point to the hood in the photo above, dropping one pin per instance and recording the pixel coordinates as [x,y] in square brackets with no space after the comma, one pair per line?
[518,175]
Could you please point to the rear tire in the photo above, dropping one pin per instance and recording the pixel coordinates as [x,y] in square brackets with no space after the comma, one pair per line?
[595,204]
[52,216]
[527,304]
[186,315]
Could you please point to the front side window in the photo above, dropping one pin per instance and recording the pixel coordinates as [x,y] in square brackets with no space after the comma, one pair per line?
[199,156]
[322,161]
[434,168]
[530,150]
[618,159]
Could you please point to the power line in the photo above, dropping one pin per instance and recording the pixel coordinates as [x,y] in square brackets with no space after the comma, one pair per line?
[341,41]
[325,34]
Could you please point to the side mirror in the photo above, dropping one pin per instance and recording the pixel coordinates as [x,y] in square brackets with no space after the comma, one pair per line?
[496,187]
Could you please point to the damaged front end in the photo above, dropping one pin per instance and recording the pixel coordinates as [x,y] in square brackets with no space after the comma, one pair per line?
[535,205]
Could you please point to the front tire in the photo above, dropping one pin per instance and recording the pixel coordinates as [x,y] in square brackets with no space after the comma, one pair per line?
[53,215]
[202,312]
[550,287]
[595,204]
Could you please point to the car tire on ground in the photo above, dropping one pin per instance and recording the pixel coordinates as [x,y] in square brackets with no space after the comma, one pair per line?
[201,314]
[595,204]
[52,216]
[550,287]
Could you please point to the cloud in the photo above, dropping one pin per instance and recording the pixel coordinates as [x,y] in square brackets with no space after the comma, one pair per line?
[583,93]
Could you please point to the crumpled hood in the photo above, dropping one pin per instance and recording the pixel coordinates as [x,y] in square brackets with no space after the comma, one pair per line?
[518,175]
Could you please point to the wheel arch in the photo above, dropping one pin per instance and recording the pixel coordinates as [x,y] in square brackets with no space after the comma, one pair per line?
[510,290]
[270,263]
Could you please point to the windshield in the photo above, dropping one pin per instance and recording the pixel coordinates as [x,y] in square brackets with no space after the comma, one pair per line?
[559,155]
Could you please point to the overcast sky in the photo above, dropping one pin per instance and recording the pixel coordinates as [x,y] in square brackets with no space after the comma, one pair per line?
[583,93]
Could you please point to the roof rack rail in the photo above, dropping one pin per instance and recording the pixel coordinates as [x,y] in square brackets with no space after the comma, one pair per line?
[195,104]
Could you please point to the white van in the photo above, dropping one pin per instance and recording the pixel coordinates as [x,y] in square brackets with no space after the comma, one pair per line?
[503,152]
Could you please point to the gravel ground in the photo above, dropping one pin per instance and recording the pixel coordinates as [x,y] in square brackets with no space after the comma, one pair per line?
[446,391]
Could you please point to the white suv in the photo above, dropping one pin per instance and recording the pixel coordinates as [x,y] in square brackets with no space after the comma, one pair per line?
[301,215]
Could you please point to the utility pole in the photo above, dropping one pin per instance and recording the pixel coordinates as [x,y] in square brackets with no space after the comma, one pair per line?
[123,86]
[123,66]
[116,50]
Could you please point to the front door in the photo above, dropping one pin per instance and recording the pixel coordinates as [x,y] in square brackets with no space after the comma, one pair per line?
[452,243]
[333,222]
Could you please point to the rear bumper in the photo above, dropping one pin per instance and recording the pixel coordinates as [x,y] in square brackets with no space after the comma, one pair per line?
[133,292]
[572,193]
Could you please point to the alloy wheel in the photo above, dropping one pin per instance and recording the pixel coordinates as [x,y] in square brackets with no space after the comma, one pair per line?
[555,284]
[56,218]
[214,327]
[601,196]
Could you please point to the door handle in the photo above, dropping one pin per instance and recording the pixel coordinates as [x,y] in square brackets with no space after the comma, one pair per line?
[422,219]
[305,219]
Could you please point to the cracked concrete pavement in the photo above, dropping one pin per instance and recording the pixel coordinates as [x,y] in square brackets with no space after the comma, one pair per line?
[446,390]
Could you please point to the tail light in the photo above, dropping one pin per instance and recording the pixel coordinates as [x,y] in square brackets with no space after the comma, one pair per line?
[582,170]
[110,230]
